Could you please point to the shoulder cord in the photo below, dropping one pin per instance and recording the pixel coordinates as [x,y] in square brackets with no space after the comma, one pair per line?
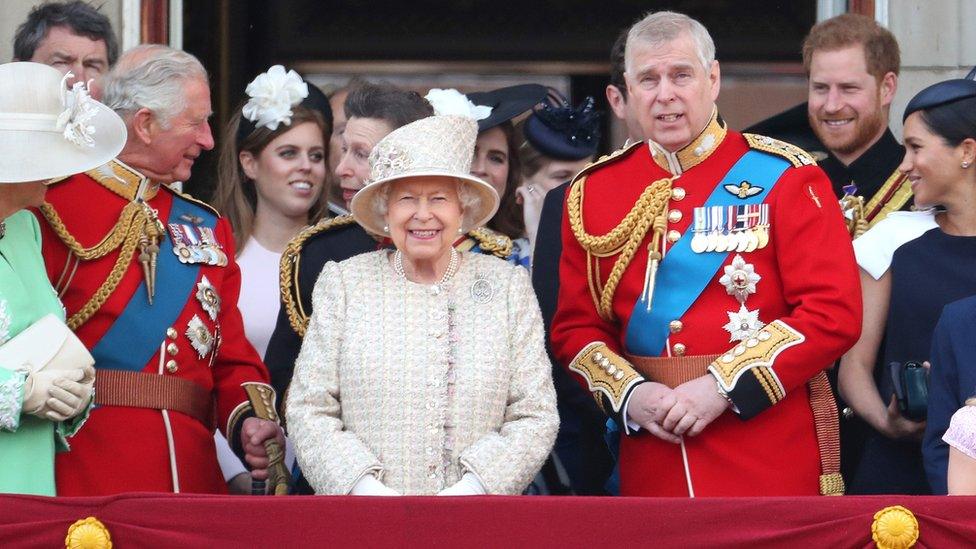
[125,234]
[624,239]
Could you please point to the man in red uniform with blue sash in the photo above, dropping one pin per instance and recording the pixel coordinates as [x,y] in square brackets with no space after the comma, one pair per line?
[149,282]
[707,281]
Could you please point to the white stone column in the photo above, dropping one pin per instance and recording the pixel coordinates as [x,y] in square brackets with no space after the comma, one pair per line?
[937,40]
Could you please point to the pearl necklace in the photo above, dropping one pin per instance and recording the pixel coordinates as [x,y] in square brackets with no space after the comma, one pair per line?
[452,266]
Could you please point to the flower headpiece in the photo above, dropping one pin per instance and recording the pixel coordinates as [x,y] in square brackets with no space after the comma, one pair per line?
[272,95]
[79,109]
[453,102]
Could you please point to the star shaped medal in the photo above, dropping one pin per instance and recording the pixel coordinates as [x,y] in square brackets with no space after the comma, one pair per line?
[743,324]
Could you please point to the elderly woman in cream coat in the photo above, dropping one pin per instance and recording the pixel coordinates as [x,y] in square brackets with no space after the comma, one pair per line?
[423,371]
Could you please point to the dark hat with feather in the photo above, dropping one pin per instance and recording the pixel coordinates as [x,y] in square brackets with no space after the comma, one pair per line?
[560,131]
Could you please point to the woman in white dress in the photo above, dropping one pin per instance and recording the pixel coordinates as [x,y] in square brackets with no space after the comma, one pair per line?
[423,370]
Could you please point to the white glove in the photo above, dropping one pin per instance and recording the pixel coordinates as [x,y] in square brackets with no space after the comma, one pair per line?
[58,394]
[469,485]
[369,485]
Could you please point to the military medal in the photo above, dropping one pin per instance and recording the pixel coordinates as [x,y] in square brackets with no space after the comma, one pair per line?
[714,229]
[740,279]
[732,240]
[743,324]
[194,244]
[208,298]
[699,242]
[199,336]
[763,228]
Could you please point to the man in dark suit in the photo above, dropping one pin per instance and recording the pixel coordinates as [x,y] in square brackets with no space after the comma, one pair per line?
[852,64]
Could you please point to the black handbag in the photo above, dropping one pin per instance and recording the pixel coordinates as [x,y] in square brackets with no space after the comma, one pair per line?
[910,380]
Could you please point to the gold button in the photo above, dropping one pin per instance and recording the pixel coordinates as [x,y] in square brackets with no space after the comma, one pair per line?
[677,193]
[171,367]
[172,333]
[679,349]
[172,349]
[674,216]
[673,236]
[675,327]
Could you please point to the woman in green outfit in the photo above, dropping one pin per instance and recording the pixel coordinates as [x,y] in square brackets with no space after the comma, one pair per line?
[46,131]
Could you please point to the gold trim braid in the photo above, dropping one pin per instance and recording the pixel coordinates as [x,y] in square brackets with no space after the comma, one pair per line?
[289,269]
[624,239]
[797,156]
[492,242]
[891,197]
[758,355]
[108,244]
[606,373]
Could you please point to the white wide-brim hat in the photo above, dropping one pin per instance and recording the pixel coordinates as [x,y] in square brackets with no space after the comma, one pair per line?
[48,131]
[432,147]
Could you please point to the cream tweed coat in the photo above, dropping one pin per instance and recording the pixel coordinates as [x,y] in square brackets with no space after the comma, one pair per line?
[420,384]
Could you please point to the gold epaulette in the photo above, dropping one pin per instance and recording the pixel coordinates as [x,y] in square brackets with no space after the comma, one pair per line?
[56,180]
[288,271]
[492,242]
[608,158]
[190,198]
[797,156]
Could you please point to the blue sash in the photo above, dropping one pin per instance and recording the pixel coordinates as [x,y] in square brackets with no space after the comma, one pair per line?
[136,334]
[683,274]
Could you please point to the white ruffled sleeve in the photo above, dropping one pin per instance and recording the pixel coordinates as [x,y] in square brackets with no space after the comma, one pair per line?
[875,248]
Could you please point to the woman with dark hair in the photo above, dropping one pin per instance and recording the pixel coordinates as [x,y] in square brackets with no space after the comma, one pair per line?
[912,265]
[496,160]
[270,185]
[559,142]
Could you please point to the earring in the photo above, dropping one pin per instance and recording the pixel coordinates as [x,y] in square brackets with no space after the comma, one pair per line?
[386,229]
[460,230]
[965,164]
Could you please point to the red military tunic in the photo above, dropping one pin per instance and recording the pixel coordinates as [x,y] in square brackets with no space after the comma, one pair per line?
[124,448]
[808,297]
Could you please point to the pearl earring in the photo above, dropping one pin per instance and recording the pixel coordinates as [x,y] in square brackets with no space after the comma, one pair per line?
[386,229]
[965,164]
[460,230]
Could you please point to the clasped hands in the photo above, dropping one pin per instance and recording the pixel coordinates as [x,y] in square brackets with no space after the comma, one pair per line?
[670,414]
[58,395]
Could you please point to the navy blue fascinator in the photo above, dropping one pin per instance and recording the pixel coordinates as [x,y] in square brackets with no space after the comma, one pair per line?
[560,131]
[941,93]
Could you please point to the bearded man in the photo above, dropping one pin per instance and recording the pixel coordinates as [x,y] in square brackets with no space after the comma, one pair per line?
[852,63]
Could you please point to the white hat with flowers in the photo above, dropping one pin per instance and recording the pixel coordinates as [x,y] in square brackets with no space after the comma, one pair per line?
[439,146]
[48,130]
